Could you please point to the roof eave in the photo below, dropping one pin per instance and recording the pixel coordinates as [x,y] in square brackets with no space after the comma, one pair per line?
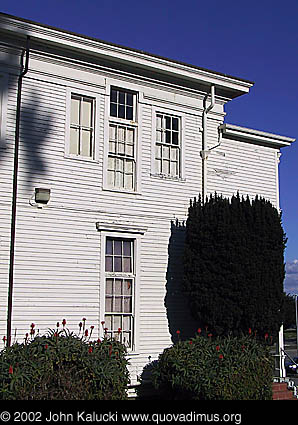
[230,86]
[255,136]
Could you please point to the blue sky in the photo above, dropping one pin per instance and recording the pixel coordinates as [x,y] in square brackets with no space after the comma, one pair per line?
[255,40]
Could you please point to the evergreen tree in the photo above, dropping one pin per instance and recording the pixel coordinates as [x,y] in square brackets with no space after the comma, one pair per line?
[234,265]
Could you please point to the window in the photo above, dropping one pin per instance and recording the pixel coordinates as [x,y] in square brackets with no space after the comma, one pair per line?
[81,136]
[119,289]
[168,145]
[122,140]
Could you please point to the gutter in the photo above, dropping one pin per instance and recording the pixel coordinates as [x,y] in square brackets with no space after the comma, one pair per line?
[14,190]
[205,152]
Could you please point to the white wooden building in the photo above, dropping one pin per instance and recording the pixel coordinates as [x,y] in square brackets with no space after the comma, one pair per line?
[120,140]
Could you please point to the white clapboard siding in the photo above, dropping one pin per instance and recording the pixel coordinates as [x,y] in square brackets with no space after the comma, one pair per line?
[58,249]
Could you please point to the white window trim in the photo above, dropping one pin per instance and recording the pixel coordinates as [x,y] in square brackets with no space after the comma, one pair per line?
[181,116]
[137,250]
[96,133]
[137,123]
[3,106]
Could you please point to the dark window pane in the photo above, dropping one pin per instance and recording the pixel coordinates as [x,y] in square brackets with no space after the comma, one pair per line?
[109,302]
[127,265]
[109,264]
[129,113]
[109,287]
[113,110]
[129,99]
[127,248]
[168,123]
[175,124]
[114,95]
[109,247]
[127,305]
[121,97]
[127,287]
[168,137]
[121,111]
[118,286]
[175,138]
[117,247]
[117,264]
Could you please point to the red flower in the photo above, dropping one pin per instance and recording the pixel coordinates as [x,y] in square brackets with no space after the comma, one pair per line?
[190,342]
[10,370]
[90,349]
[199,330]
[119,330]
[32,332]
[46,346]
[92,327]
[217,348]
[4,339]
[106,330]
[98,341]
[86,332]
[249,331]
[178,332]
[210,335]
[84,319]
[220,357]
[32,325]
[266,336]
[63,322]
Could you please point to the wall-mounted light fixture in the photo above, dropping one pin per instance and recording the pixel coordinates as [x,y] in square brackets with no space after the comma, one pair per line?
[41,197]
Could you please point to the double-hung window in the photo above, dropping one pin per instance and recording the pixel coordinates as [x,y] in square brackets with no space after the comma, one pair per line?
[119,289]
[122,140]
[168,145]
[81,133]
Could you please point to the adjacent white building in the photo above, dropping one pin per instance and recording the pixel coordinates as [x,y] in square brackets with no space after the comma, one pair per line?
[120,140]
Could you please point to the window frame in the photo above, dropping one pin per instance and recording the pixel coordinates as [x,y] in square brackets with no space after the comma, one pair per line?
[135,236]
[181,117]
[81,92]
[134,124]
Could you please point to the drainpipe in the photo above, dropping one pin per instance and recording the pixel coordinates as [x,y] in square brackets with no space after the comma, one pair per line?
[205,152]
[14,190]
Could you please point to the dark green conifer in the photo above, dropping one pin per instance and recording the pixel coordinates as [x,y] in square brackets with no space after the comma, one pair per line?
[234,264]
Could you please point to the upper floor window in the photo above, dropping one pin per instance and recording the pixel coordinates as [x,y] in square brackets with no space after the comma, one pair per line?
[81,135]
[122,140]
[168,145]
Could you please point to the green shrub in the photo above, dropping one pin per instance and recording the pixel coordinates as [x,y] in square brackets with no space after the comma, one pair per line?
[225,368]
[63,366]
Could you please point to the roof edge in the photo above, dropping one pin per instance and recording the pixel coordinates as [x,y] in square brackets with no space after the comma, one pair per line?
[243,84]
[251,135]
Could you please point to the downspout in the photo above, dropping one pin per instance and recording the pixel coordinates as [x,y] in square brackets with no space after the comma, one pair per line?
[14,190]
[205,152]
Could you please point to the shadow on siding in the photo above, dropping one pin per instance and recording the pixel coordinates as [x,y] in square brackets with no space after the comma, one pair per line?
[176,302]
[35,122]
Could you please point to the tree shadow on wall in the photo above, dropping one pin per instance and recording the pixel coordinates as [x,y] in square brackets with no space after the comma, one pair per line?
[176,301]
[35,122]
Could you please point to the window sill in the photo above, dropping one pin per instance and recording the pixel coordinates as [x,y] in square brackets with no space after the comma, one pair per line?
[128,192]
[167,177]
[82,159]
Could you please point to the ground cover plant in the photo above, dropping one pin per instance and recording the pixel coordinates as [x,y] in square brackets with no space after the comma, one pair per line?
[62,365]
[208,368]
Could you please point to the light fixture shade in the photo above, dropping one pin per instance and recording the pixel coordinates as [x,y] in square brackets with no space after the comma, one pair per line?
[42,196]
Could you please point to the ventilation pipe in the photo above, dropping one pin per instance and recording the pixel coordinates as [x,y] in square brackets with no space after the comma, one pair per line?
[205,152]
[24,70]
